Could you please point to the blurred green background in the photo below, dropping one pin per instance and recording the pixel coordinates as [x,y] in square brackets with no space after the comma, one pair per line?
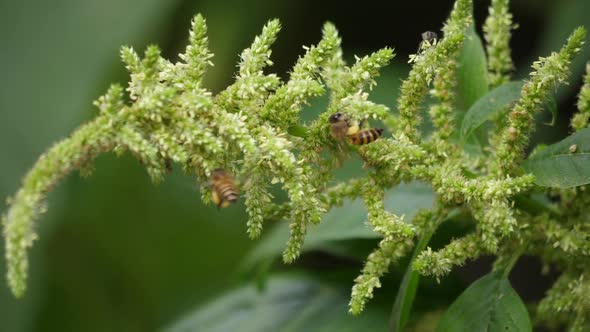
[117,253]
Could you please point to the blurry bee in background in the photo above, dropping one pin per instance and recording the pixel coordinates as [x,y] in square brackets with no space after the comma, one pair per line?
[223,188]
[341,127]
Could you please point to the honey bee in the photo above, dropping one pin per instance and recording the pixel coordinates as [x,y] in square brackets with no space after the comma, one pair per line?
[223,188]
[341,127]
[365,136]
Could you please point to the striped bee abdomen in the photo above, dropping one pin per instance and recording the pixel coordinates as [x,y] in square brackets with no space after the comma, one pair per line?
[229,192]
[223,189]
[365,136]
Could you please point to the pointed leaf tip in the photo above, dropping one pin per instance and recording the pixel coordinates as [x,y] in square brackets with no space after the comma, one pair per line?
[489,304]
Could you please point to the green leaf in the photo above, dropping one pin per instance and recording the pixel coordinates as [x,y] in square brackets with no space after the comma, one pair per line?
[472,72]
[342,223]
[407,289]
[490,304]
[563,164]
[535,204]
[289,303]
[486,107]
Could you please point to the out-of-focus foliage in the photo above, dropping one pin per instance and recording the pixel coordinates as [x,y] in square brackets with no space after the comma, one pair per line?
[287,304]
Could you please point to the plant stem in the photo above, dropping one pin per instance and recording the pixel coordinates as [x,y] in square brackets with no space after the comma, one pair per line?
[403,301]
[504,266]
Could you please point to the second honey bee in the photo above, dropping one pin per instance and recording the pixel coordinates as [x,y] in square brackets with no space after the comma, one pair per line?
[223,188]
[429,36]
[342,127]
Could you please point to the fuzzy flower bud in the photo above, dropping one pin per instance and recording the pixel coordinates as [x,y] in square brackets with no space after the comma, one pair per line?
[497,35]
[580,119]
